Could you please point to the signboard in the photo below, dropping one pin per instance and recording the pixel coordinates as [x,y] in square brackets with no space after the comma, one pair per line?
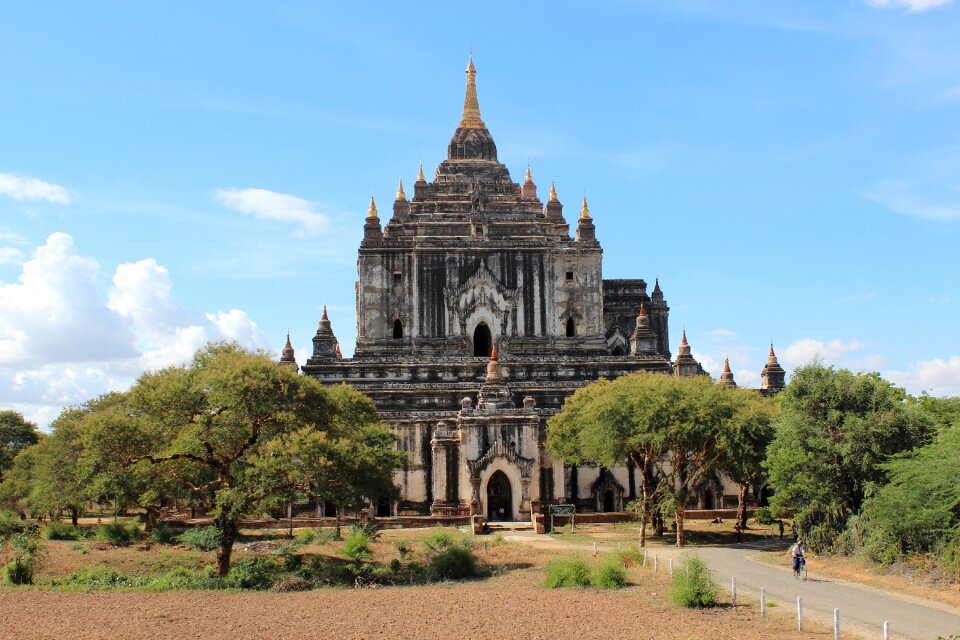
[563,510]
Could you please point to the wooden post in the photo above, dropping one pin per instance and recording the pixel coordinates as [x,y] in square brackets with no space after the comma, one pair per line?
[763,602]
[594,548]
[671,567]
[886,631]
[799,613]
[836,624]
[733,591]
[656,563]
[644,557]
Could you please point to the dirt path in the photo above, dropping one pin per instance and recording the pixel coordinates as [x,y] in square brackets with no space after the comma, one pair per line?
[862,608]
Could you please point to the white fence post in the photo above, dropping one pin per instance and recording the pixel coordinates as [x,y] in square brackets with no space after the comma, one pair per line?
[836,624]
[644,557]
[763,602]
[886,631]
[656,563]
[671,567]
[799,613]
[733,590]
[594,548]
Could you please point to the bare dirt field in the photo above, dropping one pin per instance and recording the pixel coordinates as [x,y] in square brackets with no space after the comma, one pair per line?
[508,607]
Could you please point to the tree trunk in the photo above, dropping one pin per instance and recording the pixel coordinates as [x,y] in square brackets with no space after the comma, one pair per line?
[644,519]
[228,534]
[290,518]
[336,531]
[74,516]
[742,506]
[679,514]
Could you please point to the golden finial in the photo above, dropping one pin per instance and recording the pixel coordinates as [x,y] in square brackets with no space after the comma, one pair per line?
[420,177]
[401,196]
[372,211]
[553,193]
[529,178]
[471,105]
[584,211]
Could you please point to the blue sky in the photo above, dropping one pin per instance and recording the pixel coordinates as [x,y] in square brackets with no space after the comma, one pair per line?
[171,174]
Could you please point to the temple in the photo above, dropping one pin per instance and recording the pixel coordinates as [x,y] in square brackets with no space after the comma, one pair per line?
[477,316]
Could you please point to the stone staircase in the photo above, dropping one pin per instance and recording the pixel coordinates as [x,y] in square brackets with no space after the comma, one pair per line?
[510,526]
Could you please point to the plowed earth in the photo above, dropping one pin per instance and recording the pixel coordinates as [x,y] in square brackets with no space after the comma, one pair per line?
[495,608]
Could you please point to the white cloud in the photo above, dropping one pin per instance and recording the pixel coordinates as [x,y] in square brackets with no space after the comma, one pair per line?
[9,255]
[904,200]
[23,188]
[62,341]
[913,6]
[806,350]
[721,333]
[269,205]
[937,377]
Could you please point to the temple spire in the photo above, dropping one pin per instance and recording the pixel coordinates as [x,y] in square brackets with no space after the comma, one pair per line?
[553,193]
[401,196]
[584,210]
[372,211]
[420,177]
[528,178]
[471,106]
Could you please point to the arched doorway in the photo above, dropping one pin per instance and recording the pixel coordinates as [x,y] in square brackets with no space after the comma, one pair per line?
[482,341]
[608,501]
[499,498]
[383,508]
[397,329]
[617,351]
[571,328]
[709,501]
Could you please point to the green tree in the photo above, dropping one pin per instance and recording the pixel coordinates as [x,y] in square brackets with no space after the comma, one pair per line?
[835,431]
[744,441]
[210,424]
[671,428]
[16,434]
[918,511]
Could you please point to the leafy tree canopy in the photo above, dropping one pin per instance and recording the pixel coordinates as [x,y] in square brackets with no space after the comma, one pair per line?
[16,434]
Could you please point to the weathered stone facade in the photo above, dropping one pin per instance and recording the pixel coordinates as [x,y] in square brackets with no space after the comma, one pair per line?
[476,265]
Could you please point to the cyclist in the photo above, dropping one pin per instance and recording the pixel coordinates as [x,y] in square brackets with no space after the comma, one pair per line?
[796,552]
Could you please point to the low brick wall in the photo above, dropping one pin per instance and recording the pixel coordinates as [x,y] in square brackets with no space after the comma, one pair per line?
[629,516]
[400,522]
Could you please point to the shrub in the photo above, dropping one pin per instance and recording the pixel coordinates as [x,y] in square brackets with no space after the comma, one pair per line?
[288,555]
[610,574]
[292,583]
[370,529]
[764,515]
[116,532]
[567,572]
[201,538]
[497,539]
[306,536]
[441,539]
[100,577]
[252,573]
[403,547]
[62,531]
[454,563]
[357,546]
[693,585]
[11,523]
[163,534]
[630,558]
[28,555]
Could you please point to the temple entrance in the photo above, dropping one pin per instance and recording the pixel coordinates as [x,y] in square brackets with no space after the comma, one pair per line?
[499,498]
[482,341]
[383,508]
[397,329]
[608,501]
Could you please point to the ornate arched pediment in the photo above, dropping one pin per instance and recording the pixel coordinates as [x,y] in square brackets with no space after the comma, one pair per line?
[483,292]
[500,450]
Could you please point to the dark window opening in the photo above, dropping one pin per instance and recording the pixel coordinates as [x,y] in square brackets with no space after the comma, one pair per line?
[571,328]
[569,276]
[482,341]
[397,277]
[383,508]
[479,230]
[499,498]
[397,329]
[617,351]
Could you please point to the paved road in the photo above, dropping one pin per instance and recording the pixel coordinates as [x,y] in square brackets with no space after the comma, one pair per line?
[863,609]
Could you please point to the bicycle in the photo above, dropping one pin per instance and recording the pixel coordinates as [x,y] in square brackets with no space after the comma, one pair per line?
[800,573]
